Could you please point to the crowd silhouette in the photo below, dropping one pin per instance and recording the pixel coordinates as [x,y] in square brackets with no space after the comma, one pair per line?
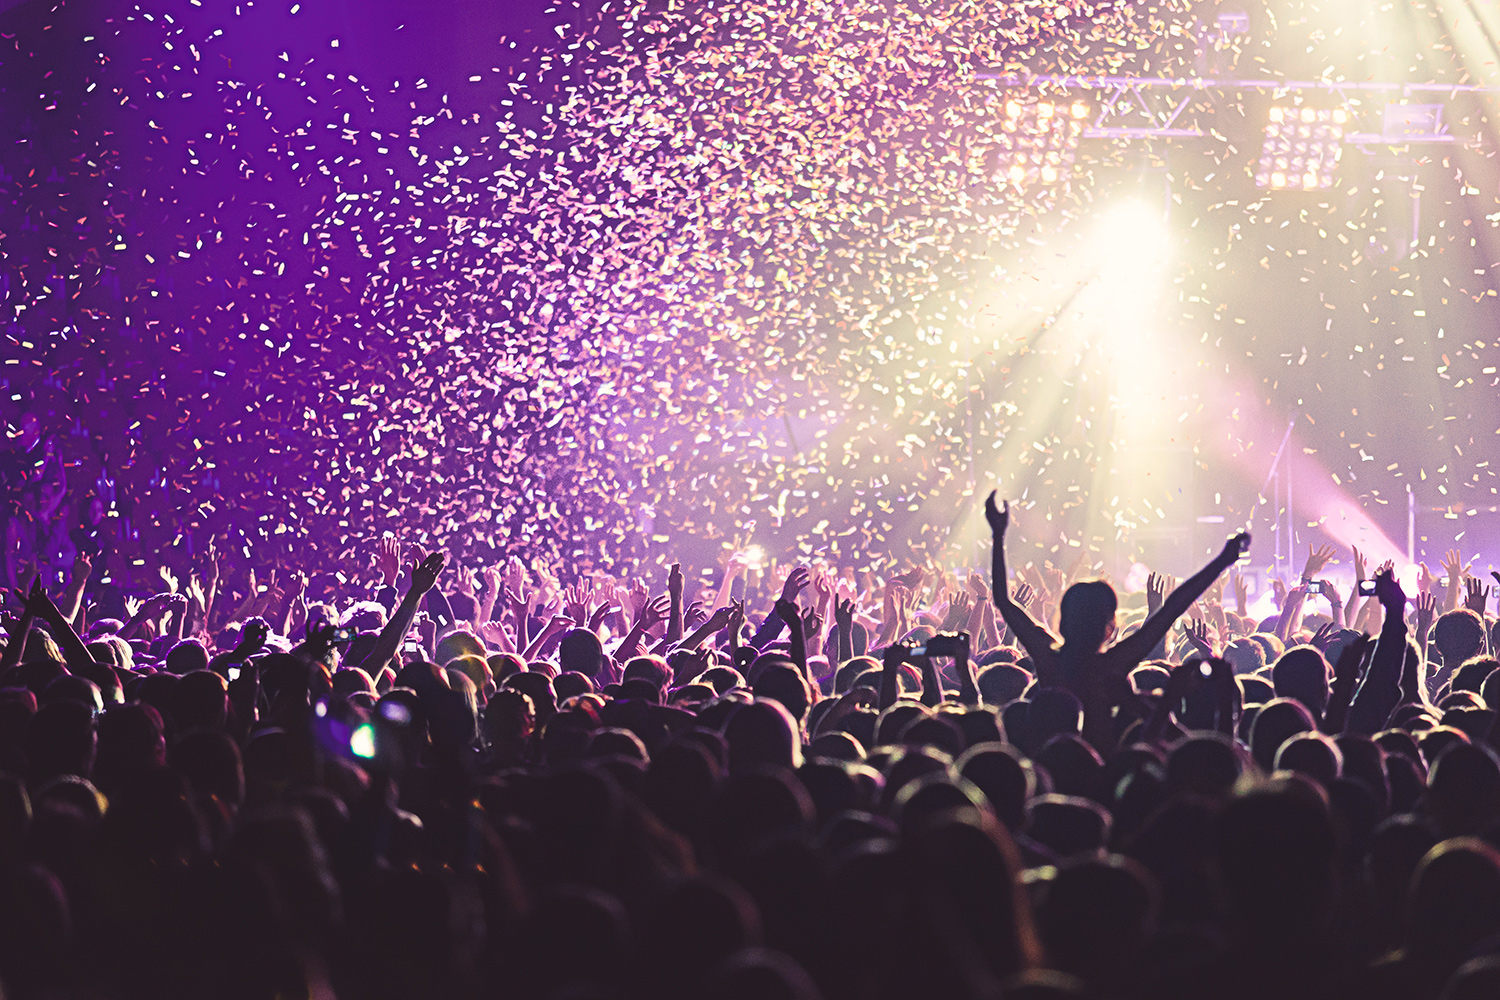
[439,783]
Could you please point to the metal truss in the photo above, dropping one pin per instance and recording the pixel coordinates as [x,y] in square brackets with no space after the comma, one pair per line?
[1153,107]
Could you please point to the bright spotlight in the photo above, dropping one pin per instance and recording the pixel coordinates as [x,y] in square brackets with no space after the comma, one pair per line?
[1044,110]
[1080,110]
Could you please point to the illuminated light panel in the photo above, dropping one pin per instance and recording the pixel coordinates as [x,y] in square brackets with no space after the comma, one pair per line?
[1035,144]
[1301,149]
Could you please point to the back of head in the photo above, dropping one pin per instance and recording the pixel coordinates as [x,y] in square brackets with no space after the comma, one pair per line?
[1002,683]
[1455,898]
[1068,824]
[763,733]
[473,667]
[60,741]
[1458,635]
[1097,915]
[1054,712]
[538,687]
[1474,672]
[1003,776]
[784,683]
[1088,613]
[1277,721]
[1302,673]
[652,669]
[1276,851]
[582,651]
[1463,789]
[1312,754]
[1205,764]
[187,656]
[1245,655]
[202,700]
[211,762]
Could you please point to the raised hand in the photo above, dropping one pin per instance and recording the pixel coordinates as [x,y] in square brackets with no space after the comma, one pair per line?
[843,614]
[1388,592]
[788,612]
[694,615]
[998,517]
[958,612]
[1454,566]
[1235,548]
[674,579]
[1359,568]
[1157,587]
[811,622]
[653,612]
[796,581]
[576,600]
[1425,580]
[822,584]
[388,560]
[1323,637]
[1317,558]
[602,612]
[1426,614]
[1196,631]
[1476,595]
[1024,595]
[425,573]
[1241,594]
[637,597]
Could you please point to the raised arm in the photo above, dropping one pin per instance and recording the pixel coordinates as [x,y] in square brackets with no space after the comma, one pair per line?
[423,576]
[1381,691]
[1036,640]
[1140,643]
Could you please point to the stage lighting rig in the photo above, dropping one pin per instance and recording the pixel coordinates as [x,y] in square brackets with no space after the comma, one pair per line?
[1302,148]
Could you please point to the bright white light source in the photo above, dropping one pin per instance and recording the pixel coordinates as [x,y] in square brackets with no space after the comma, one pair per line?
[362,741]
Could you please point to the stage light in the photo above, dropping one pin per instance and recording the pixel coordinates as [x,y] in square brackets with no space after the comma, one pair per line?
[1301,149]
[1036,144]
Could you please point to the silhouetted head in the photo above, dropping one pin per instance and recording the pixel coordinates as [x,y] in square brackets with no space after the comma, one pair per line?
[1276,722]
[1458,635]
[187,656]
[1088,614]
[1277,850]
[784,683]
[763,733]
[1312,754]
[1454,902]
[1302,673]
[582,651]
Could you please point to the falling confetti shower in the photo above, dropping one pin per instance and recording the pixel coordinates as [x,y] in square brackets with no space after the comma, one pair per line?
[616,275]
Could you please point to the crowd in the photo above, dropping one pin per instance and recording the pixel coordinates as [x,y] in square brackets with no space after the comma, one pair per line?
[436,783]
